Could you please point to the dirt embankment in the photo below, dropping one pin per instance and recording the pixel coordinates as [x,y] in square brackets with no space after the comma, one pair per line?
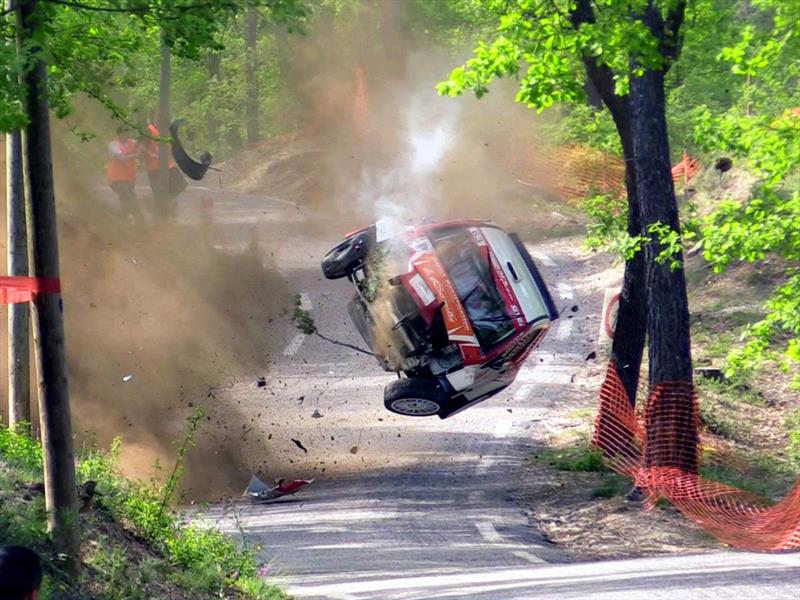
[156,319]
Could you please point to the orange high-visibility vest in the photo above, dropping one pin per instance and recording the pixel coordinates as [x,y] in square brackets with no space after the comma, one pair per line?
[123,169]
[151,160]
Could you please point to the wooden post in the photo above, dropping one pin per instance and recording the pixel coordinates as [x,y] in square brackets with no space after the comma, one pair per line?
[19,401]
[48,326]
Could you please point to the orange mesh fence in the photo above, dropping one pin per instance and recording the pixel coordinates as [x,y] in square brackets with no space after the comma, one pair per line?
[686,169]
[734,516]
[577,172]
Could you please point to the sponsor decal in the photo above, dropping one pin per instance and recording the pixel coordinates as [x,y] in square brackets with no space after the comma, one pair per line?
[458,326]
[421,288]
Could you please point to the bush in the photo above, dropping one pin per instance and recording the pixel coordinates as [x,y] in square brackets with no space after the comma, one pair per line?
[205,562]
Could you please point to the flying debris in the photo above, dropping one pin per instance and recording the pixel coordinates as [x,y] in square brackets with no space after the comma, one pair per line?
[258,491]
[193,169]
[299,444]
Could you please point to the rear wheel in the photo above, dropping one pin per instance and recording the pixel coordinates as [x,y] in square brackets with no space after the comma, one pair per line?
[346,256]
[414,397]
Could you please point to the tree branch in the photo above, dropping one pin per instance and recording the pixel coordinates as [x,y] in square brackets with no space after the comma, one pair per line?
[601,75]
[673,35]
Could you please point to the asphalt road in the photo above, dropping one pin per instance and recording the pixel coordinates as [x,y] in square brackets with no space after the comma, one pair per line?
[421,508]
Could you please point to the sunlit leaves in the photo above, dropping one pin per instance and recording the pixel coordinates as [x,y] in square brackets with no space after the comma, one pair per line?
[539,40]
[764,131]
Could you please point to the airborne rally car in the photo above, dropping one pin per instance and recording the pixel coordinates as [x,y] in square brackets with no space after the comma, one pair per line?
[454,308]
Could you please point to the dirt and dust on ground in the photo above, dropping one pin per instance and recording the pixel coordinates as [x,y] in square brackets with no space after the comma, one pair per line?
[156,320]
[563,486]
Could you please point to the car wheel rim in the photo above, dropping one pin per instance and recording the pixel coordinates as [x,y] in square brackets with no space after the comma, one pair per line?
[416,406]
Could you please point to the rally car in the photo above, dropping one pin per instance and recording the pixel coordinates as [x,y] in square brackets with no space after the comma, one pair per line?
[454,308]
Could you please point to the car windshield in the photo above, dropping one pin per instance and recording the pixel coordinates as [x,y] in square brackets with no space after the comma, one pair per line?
[471,275]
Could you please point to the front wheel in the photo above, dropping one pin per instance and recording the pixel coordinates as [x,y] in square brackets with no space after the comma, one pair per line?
[414,397]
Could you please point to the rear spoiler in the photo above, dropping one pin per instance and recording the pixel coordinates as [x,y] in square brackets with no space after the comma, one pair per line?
[537,277]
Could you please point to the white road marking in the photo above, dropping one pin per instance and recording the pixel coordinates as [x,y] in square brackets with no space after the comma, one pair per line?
[523,393]
[527,556]
[550,374]
[484,464]
[295,344]
[542,258]
[488,532]
[305,302]
[564,329]
[503,428]
[297,341]
[565,291]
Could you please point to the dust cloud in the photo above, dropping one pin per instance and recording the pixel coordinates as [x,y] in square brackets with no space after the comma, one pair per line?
[159,322]
[378,142]
[156,320]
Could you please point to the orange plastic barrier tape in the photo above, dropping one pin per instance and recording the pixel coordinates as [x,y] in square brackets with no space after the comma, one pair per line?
[14,290]
[733,516]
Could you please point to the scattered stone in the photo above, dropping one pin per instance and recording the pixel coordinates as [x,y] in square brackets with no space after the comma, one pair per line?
[710,373]
[354,450]
[262,382]
[316,414]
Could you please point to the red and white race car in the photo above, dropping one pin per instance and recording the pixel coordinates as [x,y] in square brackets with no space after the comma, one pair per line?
[454,308]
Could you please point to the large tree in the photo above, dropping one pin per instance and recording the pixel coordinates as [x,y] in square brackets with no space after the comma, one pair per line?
[620,50]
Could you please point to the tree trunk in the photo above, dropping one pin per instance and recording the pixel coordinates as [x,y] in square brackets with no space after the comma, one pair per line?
[48,325]
[163,125]
[19,400]
[627,347]
[671,427]
[213,60]
[629,337]
[19,407]
[251,75]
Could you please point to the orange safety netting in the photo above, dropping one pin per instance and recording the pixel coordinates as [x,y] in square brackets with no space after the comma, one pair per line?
[576,172]
[734,516]
[687,168]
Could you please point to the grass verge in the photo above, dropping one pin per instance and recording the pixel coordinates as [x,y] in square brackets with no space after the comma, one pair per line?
[134,545]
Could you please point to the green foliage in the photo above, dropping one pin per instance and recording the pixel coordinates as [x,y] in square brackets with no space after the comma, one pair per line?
[759,129]
[19,449]
[612,485]
[670,244]
[792,424]
[301,318]
[585,125]
[110,51]
[579,456]
[204,561]
[537,42]
[607,228]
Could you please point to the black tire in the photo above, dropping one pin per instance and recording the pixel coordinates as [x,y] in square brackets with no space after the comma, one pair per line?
[345,257]
[414,397]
